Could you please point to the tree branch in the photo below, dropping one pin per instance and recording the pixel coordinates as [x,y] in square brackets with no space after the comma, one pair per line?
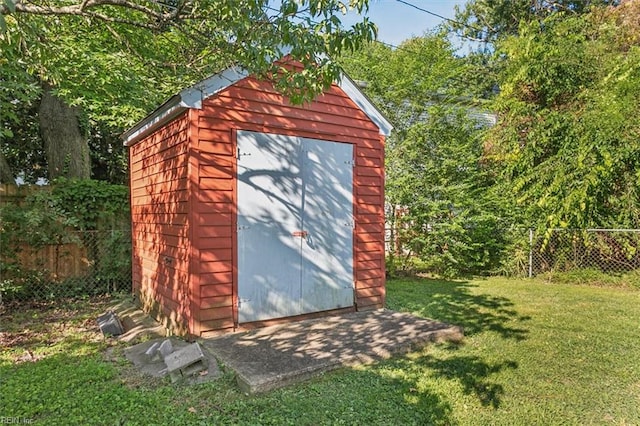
[84,9]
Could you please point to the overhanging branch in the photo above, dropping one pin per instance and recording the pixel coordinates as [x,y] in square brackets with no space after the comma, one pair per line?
[90,9]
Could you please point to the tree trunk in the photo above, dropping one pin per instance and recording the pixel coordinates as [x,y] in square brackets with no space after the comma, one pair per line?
[65,145]
[6,175]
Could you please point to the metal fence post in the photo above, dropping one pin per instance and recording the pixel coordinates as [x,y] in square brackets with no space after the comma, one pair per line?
[530,252]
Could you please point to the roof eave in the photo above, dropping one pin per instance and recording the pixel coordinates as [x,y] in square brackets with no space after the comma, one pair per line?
[162,115]
[191,97]
[364,103]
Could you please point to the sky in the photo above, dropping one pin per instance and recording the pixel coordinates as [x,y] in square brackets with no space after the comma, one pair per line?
[397,21]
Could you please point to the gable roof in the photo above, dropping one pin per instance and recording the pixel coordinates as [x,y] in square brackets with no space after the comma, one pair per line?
[192,97]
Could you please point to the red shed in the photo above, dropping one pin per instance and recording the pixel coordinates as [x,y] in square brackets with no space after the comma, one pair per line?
[248,210]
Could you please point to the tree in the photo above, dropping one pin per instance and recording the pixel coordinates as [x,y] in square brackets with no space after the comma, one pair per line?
[64,142]
[566,137]
[112,61]
[489,20]
[440,209]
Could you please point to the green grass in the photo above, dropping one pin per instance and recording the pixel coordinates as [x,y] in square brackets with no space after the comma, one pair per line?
[534,353]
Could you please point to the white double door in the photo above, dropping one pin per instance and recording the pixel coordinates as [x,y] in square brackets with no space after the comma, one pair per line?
[295,226]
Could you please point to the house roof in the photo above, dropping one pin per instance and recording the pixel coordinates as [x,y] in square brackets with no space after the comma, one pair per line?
[192,97]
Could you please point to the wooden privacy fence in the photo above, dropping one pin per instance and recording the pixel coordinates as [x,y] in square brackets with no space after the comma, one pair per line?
[60,261]
[82,263]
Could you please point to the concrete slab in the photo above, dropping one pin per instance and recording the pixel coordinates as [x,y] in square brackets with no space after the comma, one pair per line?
[279,355]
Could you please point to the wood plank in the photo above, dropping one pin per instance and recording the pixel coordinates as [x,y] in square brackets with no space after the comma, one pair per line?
[216,255]
[369,283]
[368,274]
[368,180]
[161,240]
[369,199]
[369,171]
[164,151]
[370,264]
[214,243]
[368,190]
[216,267]
[215,290]
[215,231]
[369,218]
[224,312]
[211,185]
[217,171]
[150,248]
[223,205]
[365,237]
[162,229]
[161,218]
[215,302]
[211,325]
[222,136]
[222,148]
[369,162]
[368,255]
[173,207]
[215,219]
[174,167]
[156,199]
[363,293]
[369,209]
[215,278]
[362,227]
[373,246]
[377,301]
[168,186]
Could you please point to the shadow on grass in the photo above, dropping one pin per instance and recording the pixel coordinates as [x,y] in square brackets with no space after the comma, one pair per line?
[454,302]
[371,396]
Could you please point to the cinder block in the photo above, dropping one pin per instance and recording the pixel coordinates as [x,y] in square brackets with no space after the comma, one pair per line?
[186,362]
[110,325]
[165,348]
[151,354]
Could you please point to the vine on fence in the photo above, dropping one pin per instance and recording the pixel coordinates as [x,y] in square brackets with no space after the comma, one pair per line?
[77,218]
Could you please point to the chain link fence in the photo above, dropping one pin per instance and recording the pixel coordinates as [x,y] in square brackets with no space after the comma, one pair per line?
[610,256]
[76,264]
[608,251]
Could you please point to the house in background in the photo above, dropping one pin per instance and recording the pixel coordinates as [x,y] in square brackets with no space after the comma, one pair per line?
[247,210]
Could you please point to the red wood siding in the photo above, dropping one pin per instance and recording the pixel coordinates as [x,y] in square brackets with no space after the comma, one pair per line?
[255,106]
[160,223]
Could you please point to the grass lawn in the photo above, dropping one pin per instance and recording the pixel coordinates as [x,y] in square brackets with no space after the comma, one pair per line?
[534,353]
